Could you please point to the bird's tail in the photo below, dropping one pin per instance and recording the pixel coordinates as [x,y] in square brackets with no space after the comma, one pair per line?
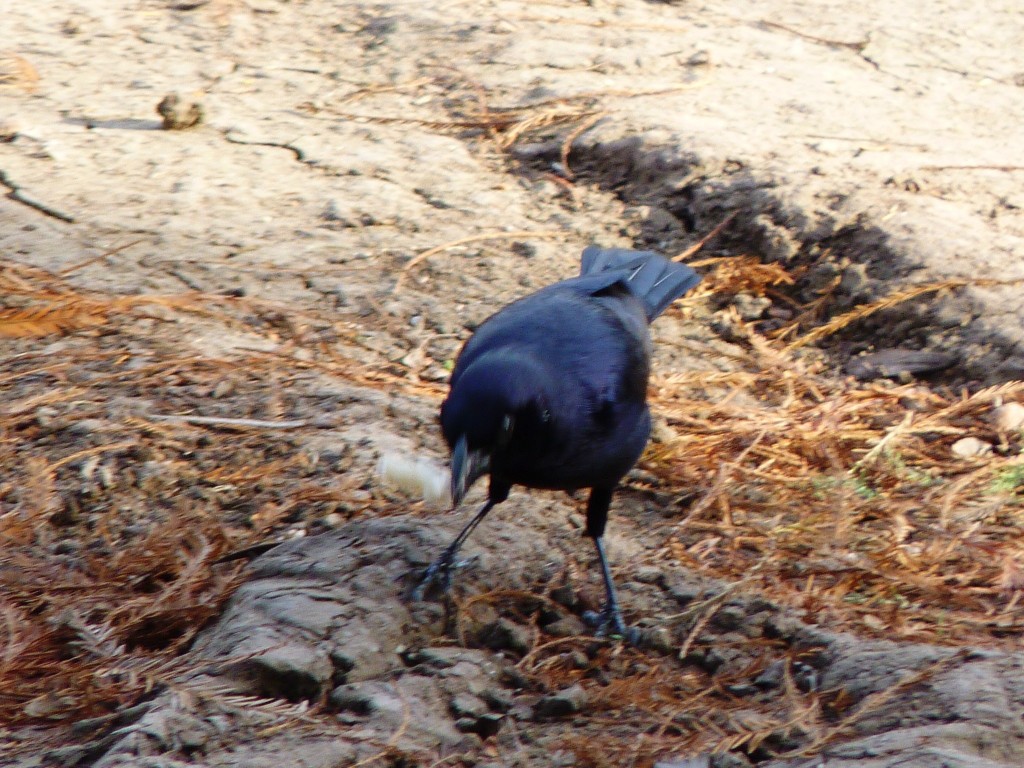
[653,278]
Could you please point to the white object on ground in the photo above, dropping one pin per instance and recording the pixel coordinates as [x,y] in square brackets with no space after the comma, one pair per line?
[417,477]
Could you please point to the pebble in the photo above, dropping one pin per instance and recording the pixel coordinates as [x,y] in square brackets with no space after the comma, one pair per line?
[657,639]
[567,626]
[47,418]
[649,574]
[504,635]
[751,307]
[67,547]
[1009,417]
[224,388]
[352,698]
[565,702]
[971,447]
[566,596]
[699,58]
[771,677]
[180,112]
[484,726]
[468,705]
[729,618]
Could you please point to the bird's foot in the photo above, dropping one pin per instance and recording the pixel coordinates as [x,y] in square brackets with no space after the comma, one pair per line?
[609,623]
[439,574]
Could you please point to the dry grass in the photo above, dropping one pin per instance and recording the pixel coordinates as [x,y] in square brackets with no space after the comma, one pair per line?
[846,497]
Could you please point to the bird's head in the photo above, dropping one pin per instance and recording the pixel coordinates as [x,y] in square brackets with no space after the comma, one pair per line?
[497,406]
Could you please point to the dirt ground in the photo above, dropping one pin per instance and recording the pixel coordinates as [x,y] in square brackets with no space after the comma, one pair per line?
[827,574]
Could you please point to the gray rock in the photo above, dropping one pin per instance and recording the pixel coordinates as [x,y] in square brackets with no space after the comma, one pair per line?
[468,705]
[567,626]
[729,618]
[649,574]
[294,671]
[899,363]
[504,635]
[751,307]
[566,702]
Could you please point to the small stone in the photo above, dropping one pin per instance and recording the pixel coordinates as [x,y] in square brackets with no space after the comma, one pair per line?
[729,618]
[566,596]
[656,639]
[649,574]
[180,112]
[504,635]
[566,702]
[67,547]
[970,448]
[332,212]
[684,594]
[729,760]
[9,130]
[1009,417]
[567,626]
[699,761]
[47,417]
[771,677]
[352,698]
[820,277]
[699,58]
[708,659]
[468,705]
[488,725]
[224,388]
[751,307]
[742,689]
[899,364]
[498,699]
[194,736]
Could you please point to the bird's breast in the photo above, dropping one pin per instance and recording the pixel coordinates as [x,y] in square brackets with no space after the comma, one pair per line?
[582,453]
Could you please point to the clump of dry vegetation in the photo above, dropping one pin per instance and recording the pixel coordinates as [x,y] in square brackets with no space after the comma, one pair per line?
[847,499]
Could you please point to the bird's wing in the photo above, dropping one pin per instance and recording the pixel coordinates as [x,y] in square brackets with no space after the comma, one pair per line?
[590,327]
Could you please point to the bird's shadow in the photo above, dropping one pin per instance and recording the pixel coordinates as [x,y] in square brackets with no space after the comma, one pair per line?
[118,124]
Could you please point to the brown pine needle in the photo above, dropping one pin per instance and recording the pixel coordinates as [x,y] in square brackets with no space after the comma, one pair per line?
[696,247]
[574,134]
[57,317]
[68,312]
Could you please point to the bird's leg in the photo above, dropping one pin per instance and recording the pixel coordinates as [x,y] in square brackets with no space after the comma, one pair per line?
[441,569]
[609,621]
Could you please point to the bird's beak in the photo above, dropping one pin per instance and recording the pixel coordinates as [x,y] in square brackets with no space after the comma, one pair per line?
[467,467]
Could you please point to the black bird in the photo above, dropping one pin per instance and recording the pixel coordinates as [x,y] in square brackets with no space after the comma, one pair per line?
[550,392]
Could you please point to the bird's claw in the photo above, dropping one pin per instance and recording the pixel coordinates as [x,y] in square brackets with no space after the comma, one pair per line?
[439,573]
[608,623]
